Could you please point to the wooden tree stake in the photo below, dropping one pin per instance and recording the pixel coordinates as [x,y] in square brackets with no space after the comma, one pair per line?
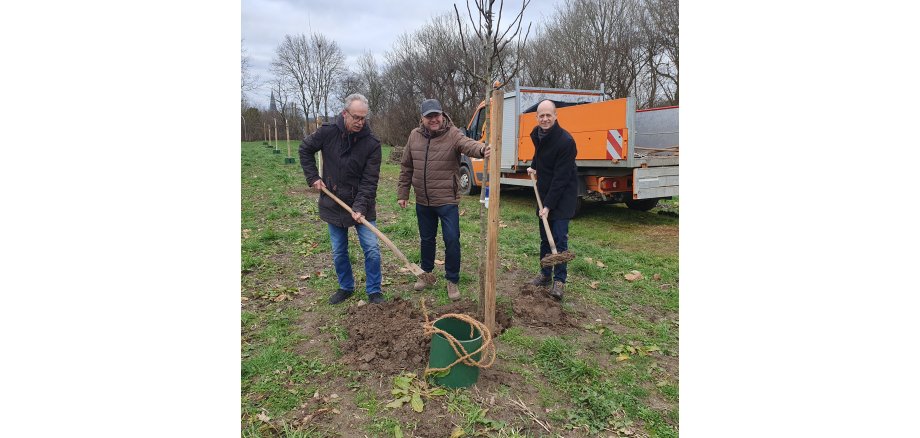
[495,137]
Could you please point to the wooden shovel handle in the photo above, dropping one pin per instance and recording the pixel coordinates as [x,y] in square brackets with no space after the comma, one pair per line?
[369,225]
[549,235]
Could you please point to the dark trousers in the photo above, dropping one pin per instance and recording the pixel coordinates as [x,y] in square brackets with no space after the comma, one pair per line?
[449,216]
[560,230]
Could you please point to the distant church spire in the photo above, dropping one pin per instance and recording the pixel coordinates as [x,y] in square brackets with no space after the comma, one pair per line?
[272,106]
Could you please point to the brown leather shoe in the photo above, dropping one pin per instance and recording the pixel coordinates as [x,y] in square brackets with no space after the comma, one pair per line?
[453,292]
[558,290]
[540,280]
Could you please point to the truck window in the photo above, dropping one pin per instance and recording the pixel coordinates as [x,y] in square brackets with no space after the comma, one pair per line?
[476,129]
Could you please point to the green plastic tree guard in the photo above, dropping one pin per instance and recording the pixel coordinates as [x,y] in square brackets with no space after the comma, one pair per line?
[442,354]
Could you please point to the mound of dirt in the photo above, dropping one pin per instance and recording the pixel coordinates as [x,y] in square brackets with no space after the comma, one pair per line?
[385,337]
[533,307]
[390,337]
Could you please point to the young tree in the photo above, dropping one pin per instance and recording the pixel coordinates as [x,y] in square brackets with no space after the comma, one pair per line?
[486,66]
[280,90]
[492,62]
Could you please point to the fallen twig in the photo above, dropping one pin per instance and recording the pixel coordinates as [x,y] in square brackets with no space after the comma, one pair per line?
[520,403]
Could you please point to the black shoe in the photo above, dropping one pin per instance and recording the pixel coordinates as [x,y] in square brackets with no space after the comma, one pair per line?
[557,291]
[375,298]
[540,280]
[340,295]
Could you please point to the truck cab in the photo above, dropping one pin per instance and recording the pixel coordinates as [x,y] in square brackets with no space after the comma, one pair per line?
[624,155]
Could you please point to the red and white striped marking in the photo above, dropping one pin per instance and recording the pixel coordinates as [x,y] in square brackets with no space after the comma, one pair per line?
[615,144]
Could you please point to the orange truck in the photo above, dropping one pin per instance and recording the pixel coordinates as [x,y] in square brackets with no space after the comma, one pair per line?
[624,155]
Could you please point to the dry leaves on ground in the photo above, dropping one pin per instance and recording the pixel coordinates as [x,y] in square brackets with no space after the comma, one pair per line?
[633,276]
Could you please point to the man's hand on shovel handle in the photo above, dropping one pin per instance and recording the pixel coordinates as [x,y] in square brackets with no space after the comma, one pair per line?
[358,217]
[319,185]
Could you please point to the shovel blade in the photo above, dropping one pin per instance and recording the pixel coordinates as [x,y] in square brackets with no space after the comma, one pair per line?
[415,269]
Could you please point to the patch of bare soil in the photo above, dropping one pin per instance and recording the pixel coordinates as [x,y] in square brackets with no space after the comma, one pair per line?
[532,306]
[390,337]
[386,337]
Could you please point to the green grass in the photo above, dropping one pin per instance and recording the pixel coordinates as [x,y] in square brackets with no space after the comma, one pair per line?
[474,417]
[282,238]
[272,369]
[595,396]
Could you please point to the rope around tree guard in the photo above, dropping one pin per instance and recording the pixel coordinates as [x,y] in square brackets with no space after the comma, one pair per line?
[466,358]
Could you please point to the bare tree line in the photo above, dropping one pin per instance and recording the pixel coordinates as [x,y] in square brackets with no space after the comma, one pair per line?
[628,45]
[631,46]
[248,81]
[309,68]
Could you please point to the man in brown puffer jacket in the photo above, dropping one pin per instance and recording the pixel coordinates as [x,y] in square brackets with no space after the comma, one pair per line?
[431,165]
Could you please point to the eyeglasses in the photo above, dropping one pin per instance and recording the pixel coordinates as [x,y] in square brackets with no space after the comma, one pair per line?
[356,118]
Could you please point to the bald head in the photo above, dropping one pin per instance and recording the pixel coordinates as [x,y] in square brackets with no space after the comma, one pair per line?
[546,105]
[546,114]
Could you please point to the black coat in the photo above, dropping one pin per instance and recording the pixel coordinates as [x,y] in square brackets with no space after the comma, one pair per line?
[557,175]
[351,169]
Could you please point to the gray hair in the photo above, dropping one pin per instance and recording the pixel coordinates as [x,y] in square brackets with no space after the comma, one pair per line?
[353,97]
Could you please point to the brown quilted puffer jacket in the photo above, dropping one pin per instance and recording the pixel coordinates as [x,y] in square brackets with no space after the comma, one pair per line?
[431,163]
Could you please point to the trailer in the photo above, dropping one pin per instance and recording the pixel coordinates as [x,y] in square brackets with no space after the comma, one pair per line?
[624,155]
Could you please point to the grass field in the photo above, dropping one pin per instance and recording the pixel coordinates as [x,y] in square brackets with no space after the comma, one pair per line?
[612,372]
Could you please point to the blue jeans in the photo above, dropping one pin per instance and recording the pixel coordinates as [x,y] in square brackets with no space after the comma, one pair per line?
[450,230]
[338,236]
[560,230]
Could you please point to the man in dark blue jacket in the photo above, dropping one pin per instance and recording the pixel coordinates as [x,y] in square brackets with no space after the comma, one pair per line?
[554,166]
[351,169]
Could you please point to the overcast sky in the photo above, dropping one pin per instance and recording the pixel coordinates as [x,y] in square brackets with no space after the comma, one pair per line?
[357,26]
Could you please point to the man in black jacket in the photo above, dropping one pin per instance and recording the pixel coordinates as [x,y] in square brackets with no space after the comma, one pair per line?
[554,166]
[351,168]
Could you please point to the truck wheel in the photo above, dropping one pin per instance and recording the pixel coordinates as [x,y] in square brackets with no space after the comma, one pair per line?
[641,204]
[466,182]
